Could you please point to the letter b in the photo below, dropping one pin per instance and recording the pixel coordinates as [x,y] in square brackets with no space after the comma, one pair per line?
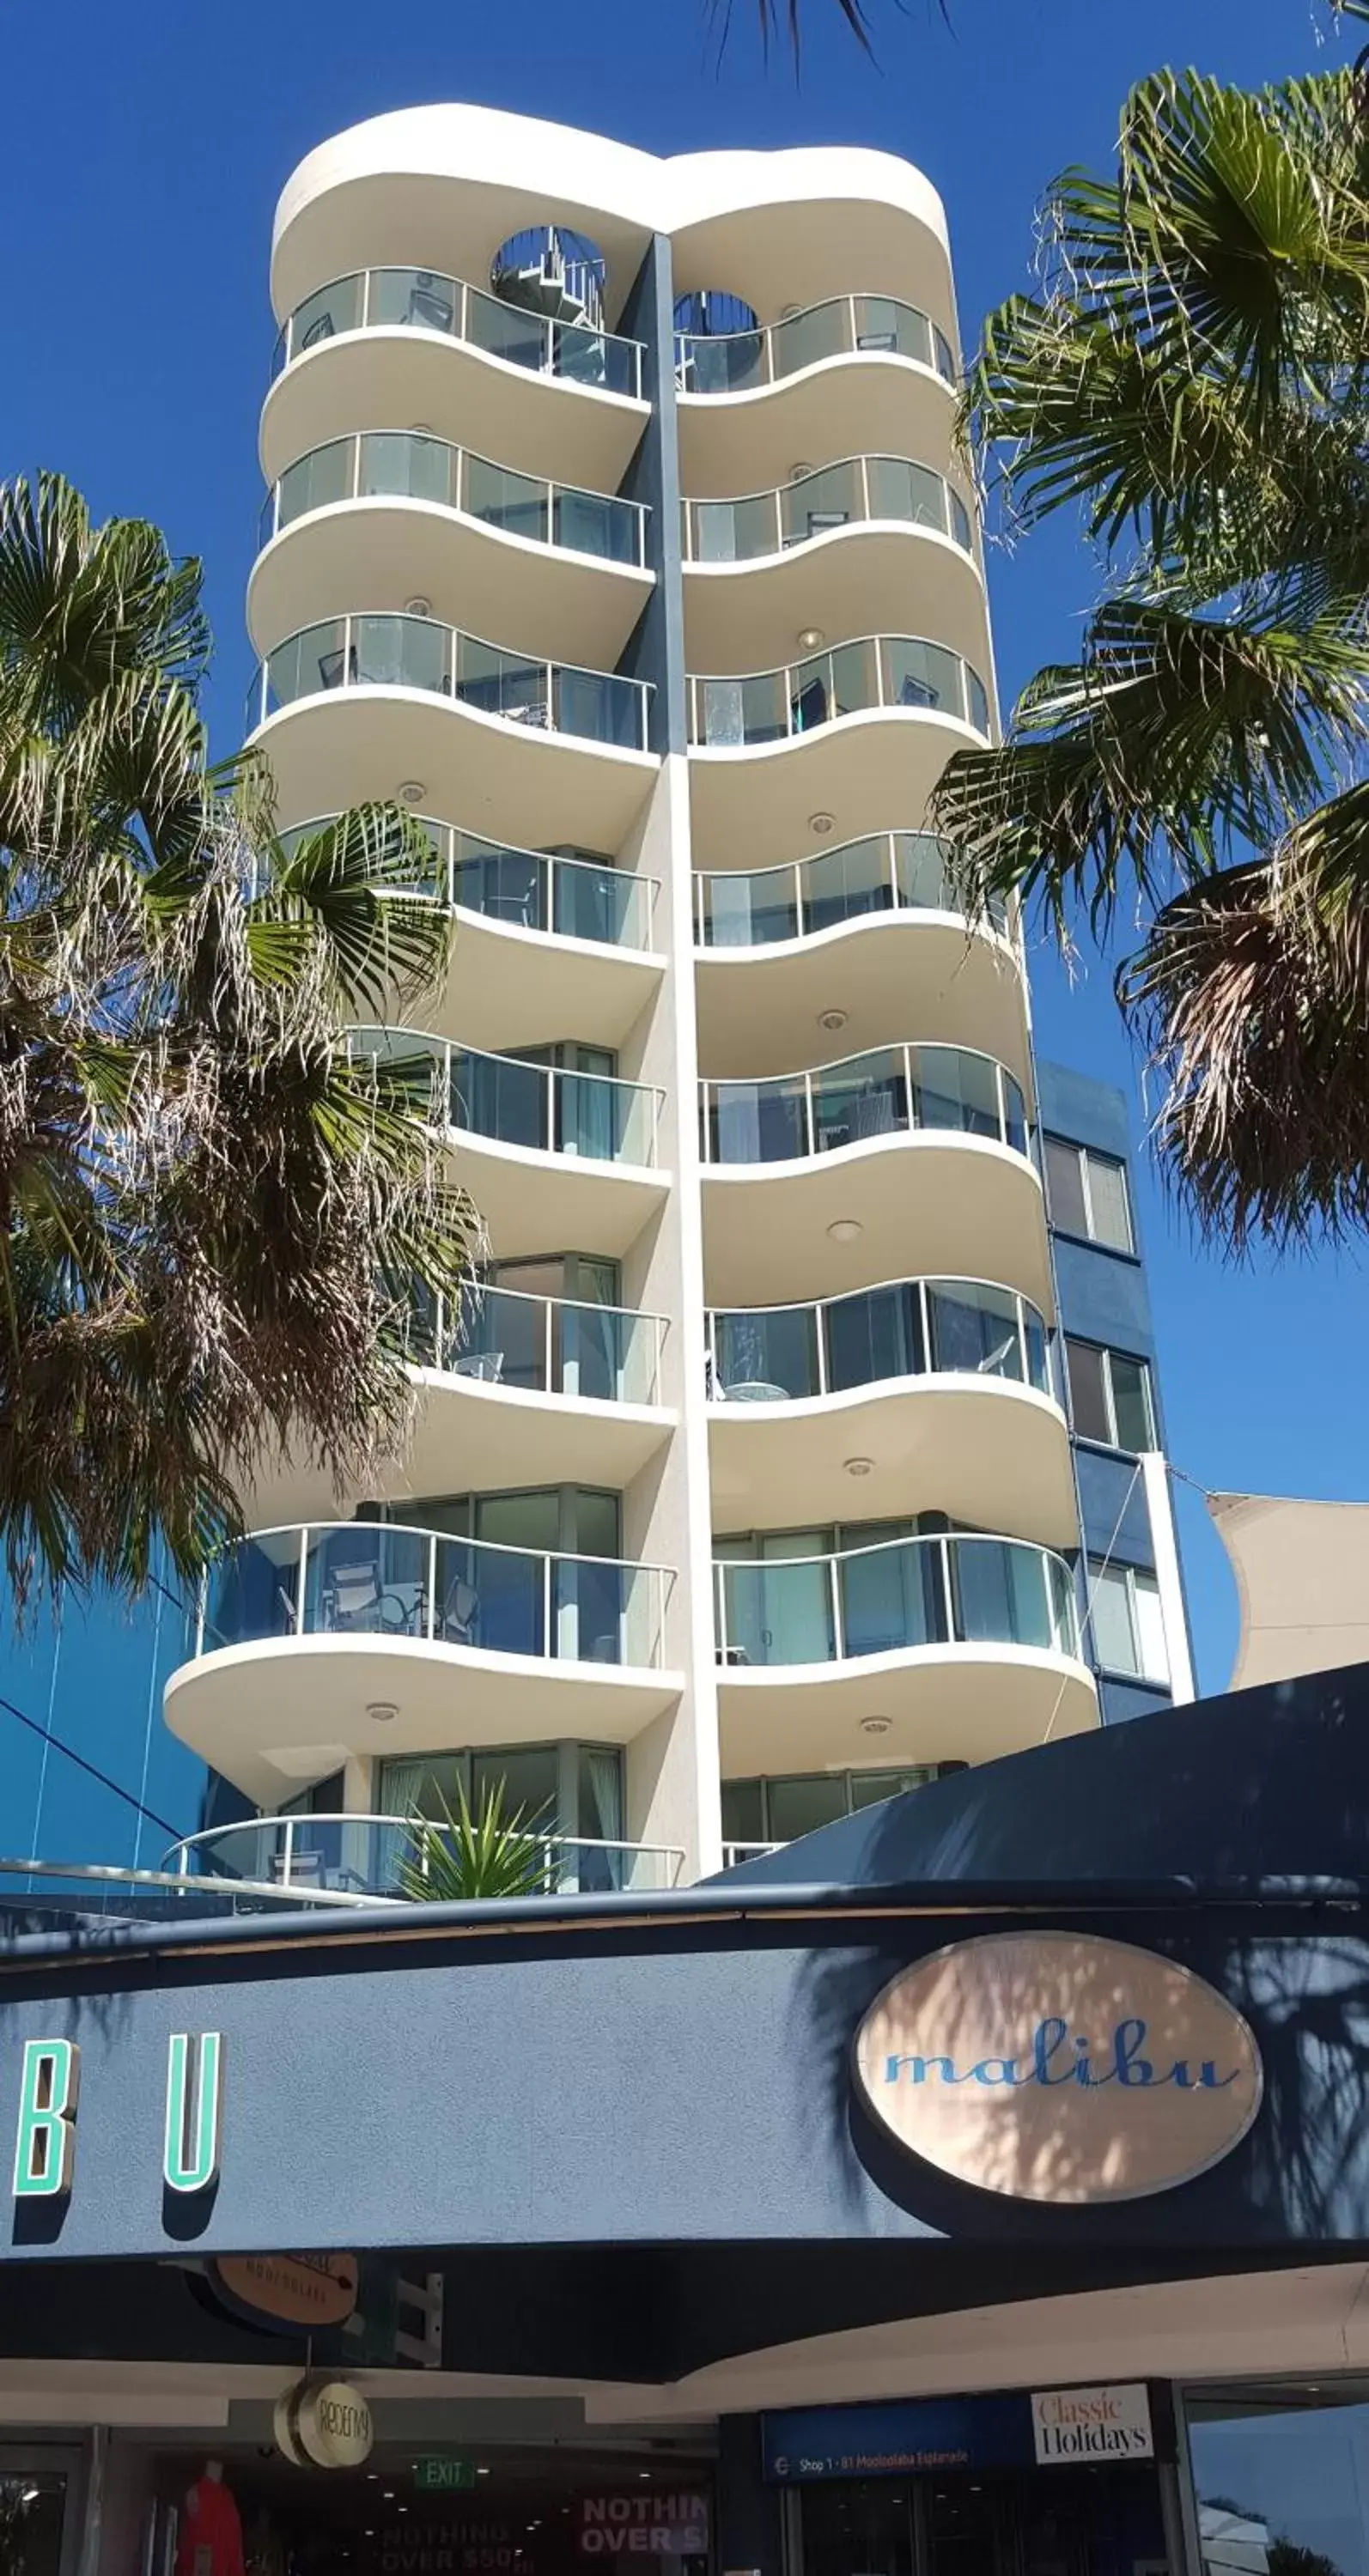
[45,2142]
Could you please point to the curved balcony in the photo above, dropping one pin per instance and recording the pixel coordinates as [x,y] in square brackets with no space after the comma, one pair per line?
[360,1856]
[412,344]
[546,936]
[775,945]
[752,400]
[514,1390]
[867,541]
[550,1154]
[542,557]
[939,1387]
[864,727]
[817,1145]
[354,701]
[965,1646]
[367,1637]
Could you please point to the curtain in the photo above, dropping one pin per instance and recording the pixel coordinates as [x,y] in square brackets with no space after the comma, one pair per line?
[400,1785]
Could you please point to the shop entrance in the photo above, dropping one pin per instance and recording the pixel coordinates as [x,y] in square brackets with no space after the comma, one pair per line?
[40,2516]
[1059,2521]
[428,2513]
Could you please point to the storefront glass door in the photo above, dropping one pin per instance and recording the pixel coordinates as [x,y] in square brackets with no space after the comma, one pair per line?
[1056,2522]
[37,2532]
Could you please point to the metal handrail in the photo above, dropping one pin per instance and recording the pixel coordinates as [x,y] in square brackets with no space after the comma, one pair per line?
[421,1620]
[449,308]
[457,496]
[479,1299]
[348,639]
[780,494]
[800,685]
[1058,1598]
[455,849]
[293,1826]
[898,1056]
[801,873]
[107,1874]
[444,1049]
[1025,1314]
[769,341]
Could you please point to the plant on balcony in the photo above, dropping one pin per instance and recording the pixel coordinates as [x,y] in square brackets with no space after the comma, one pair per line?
[1195,374]
[475,1853]
[210,1219]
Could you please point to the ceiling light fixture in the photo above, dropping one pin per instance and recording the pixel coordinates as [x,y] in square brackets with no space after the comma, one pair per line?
[821,824]
[845,1229]
[797,472]
[412,791]
[833,1019]
[382,1711]
[418,606]
[875,1725]
[810,637]
[859,1466]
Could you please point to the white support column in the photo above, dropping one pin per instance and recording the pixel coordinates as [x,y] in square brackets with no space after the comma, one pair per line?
[1164,1539]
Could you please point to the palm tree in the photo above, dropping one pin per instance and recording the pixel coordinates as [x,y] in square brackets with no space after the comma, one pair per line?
[786,18]
[1195,375]
[210,1219]
[475,1853]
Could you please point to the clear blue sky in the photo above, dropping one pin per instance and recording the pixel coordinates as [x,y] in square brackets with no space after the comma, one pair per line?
[144,152]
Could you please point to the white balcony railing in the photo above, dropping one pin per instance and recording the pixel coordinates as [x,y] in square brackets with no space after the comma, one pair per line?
[740,711]
[554,891]
[360,1856]
[412,466]
[891,489]
[382,1580]
[800,898]
[891,1090]
[386,650]
[861,326]
[518,1100]
[543,1345]
[423,299]
[900,1329]
[887,1598]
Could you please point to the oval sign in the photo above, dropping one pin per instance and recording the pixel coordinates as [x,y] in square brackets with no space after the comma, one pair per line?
[290,2289]
[1059,2067]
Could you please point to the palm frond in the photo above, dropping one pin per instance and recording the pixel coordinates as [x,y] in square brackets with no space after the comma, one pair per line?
[475,1854]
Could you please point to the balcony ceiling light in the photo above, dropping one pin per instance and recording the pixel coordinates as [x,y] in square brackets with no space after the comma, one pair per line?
[418,607]
[412,791]
[859,1466]
[383,1711]
[833,1019]
[821,824]
[810,637]
[875,1725]
[845,1229]
[797,472]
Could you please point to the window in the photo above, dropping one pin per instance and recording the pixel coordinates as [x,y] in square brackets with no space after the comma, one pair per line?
[1109,1397]
[780,1810]
[1088,1195]
[1128,1630]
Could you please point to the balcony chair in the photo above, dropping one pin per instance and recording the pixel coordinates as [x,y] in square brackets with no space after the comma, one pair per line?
[357,1601]
[429,310]
[487,1367]
[459,1613]
[333,668]
[323,327]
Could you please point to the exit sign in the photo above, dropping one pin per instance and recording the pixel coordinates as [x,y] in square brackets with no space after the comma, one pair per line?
[444,2474]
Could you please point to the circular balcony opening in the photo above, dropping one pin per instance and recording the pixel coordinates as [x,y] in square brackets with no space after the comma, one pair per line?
[551,270]
[713,313]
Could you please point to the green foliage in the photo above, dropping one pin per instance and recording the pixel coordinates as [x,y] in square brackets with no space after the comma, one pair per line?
[476,1854]
[210,1218]
[1194,377]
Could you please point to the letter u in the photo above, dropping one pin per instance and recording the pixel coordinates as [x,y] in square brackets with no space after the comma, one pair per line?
[193,2111]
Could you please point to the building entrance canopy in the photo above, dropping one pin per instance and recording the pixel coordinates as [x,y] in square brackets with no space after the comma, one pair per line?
[862,2071]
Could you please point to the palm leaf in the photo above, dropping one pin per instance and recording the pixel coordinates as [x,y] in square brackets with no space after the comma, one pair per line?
[475,1854]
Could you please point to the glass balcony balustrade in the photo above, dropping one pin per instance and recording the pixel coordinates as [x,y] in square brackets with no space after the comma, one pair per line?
[545,1108]
[361,1856]
[904,1328]
[422,299]
[836,496]
[548,890]
[379,1579]
[886,1599]
[408,465]
[542,1345]
[885,872]
[740,710]
[384,650]
[737,362]
[889,1091]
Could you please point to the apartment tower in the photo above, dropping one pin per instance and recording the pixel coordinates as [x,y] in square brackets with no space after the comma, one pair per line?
[614,527]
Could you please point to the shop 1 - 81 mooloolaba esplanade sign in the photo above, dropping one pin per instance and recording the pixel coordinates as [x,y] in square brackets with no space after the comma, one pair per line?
[1056,2066]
